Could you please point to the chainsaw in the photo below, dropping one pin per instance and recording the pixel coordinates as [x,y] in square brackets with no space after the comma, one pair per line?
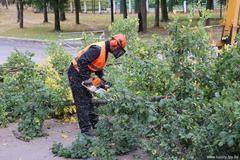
[98,86]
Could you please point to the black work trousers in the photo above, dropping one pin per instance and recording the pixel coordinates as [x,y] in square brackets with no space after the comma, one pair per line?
[86,113]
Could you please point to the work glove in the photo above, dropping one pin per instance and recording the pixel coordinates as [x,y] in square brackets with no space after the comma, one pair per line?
[106,84]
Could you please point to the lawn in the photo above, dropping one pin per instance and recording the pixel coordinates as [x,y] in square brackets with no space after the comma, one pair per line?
[35,28]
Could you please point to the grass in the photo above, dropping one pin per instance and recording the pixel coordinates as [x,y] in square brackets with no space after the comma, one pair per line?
[34,27]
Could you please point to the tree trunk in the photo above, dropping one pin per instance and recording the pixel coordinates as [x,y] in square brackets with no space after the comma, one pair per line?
[62,16]
[142,15]
[45,12]
[112,14]
[57,27]
[221,7]
[124,9]
[164,10]
[18,11]
[170,5]
[210,4]
[77,11]
[93,6]
[21,13]
[6,4]
[156,13]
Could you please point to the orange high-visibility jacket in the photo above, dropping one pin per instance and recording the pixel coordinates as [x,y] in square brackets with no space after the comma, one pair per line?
[97,64]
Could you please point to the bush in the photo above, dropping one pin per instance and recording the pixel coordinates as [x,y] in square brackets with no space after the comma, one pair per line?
[58,58]
[30,94]
[180,68]
[34,110]
[197,114]
[3,114]
[79,148]
[55,78]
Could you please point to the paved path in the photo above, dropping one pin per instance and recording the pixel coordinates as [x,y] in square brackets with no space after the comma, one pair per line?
[7,46]
[40,148]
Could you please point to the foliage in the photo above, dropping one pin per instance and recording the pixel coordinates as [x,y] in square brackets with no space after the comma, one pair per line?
[79,148]
[226,103]
[34,91]
[129,27]
[197,86]
[14,83]
[58,58]
[197,115]
[187,52]
[89,38]
[10,98]
[55,79]
[3,114]
[200,92]
[25,95]
[227,72]
[34,109]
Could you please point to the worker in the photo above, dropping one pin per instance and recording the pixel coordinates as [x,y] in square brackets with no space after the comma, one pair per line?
[90,60]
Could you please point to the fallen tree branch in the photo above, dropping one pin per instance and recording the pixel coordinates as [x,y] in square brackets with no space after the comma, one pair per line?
[100,102]
[156,98]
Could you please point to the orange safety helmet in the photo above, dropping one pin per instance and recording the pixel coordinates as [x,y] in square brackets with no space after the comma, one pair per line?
[118,43]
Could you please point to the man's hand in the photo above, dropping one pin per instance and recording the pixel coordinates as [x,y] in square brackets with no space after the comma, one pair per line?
[105,83]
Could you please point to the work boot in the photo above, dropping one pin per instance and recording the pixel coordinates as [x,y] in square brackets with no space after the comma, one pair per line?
[90,133]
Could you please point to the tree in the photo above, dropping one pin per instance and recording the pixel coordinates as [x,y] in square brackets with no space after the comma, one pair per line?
[56,7]
[93,6]
[5,3]
[62,9]
[42,5]
[209,4]
[222,2]
[62,15]
[77,4]
[45,11]
[18,10]
[19,5]
[124,9]
[156,13]
[164,10]
[112,14]
[142,16]
[21,13]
